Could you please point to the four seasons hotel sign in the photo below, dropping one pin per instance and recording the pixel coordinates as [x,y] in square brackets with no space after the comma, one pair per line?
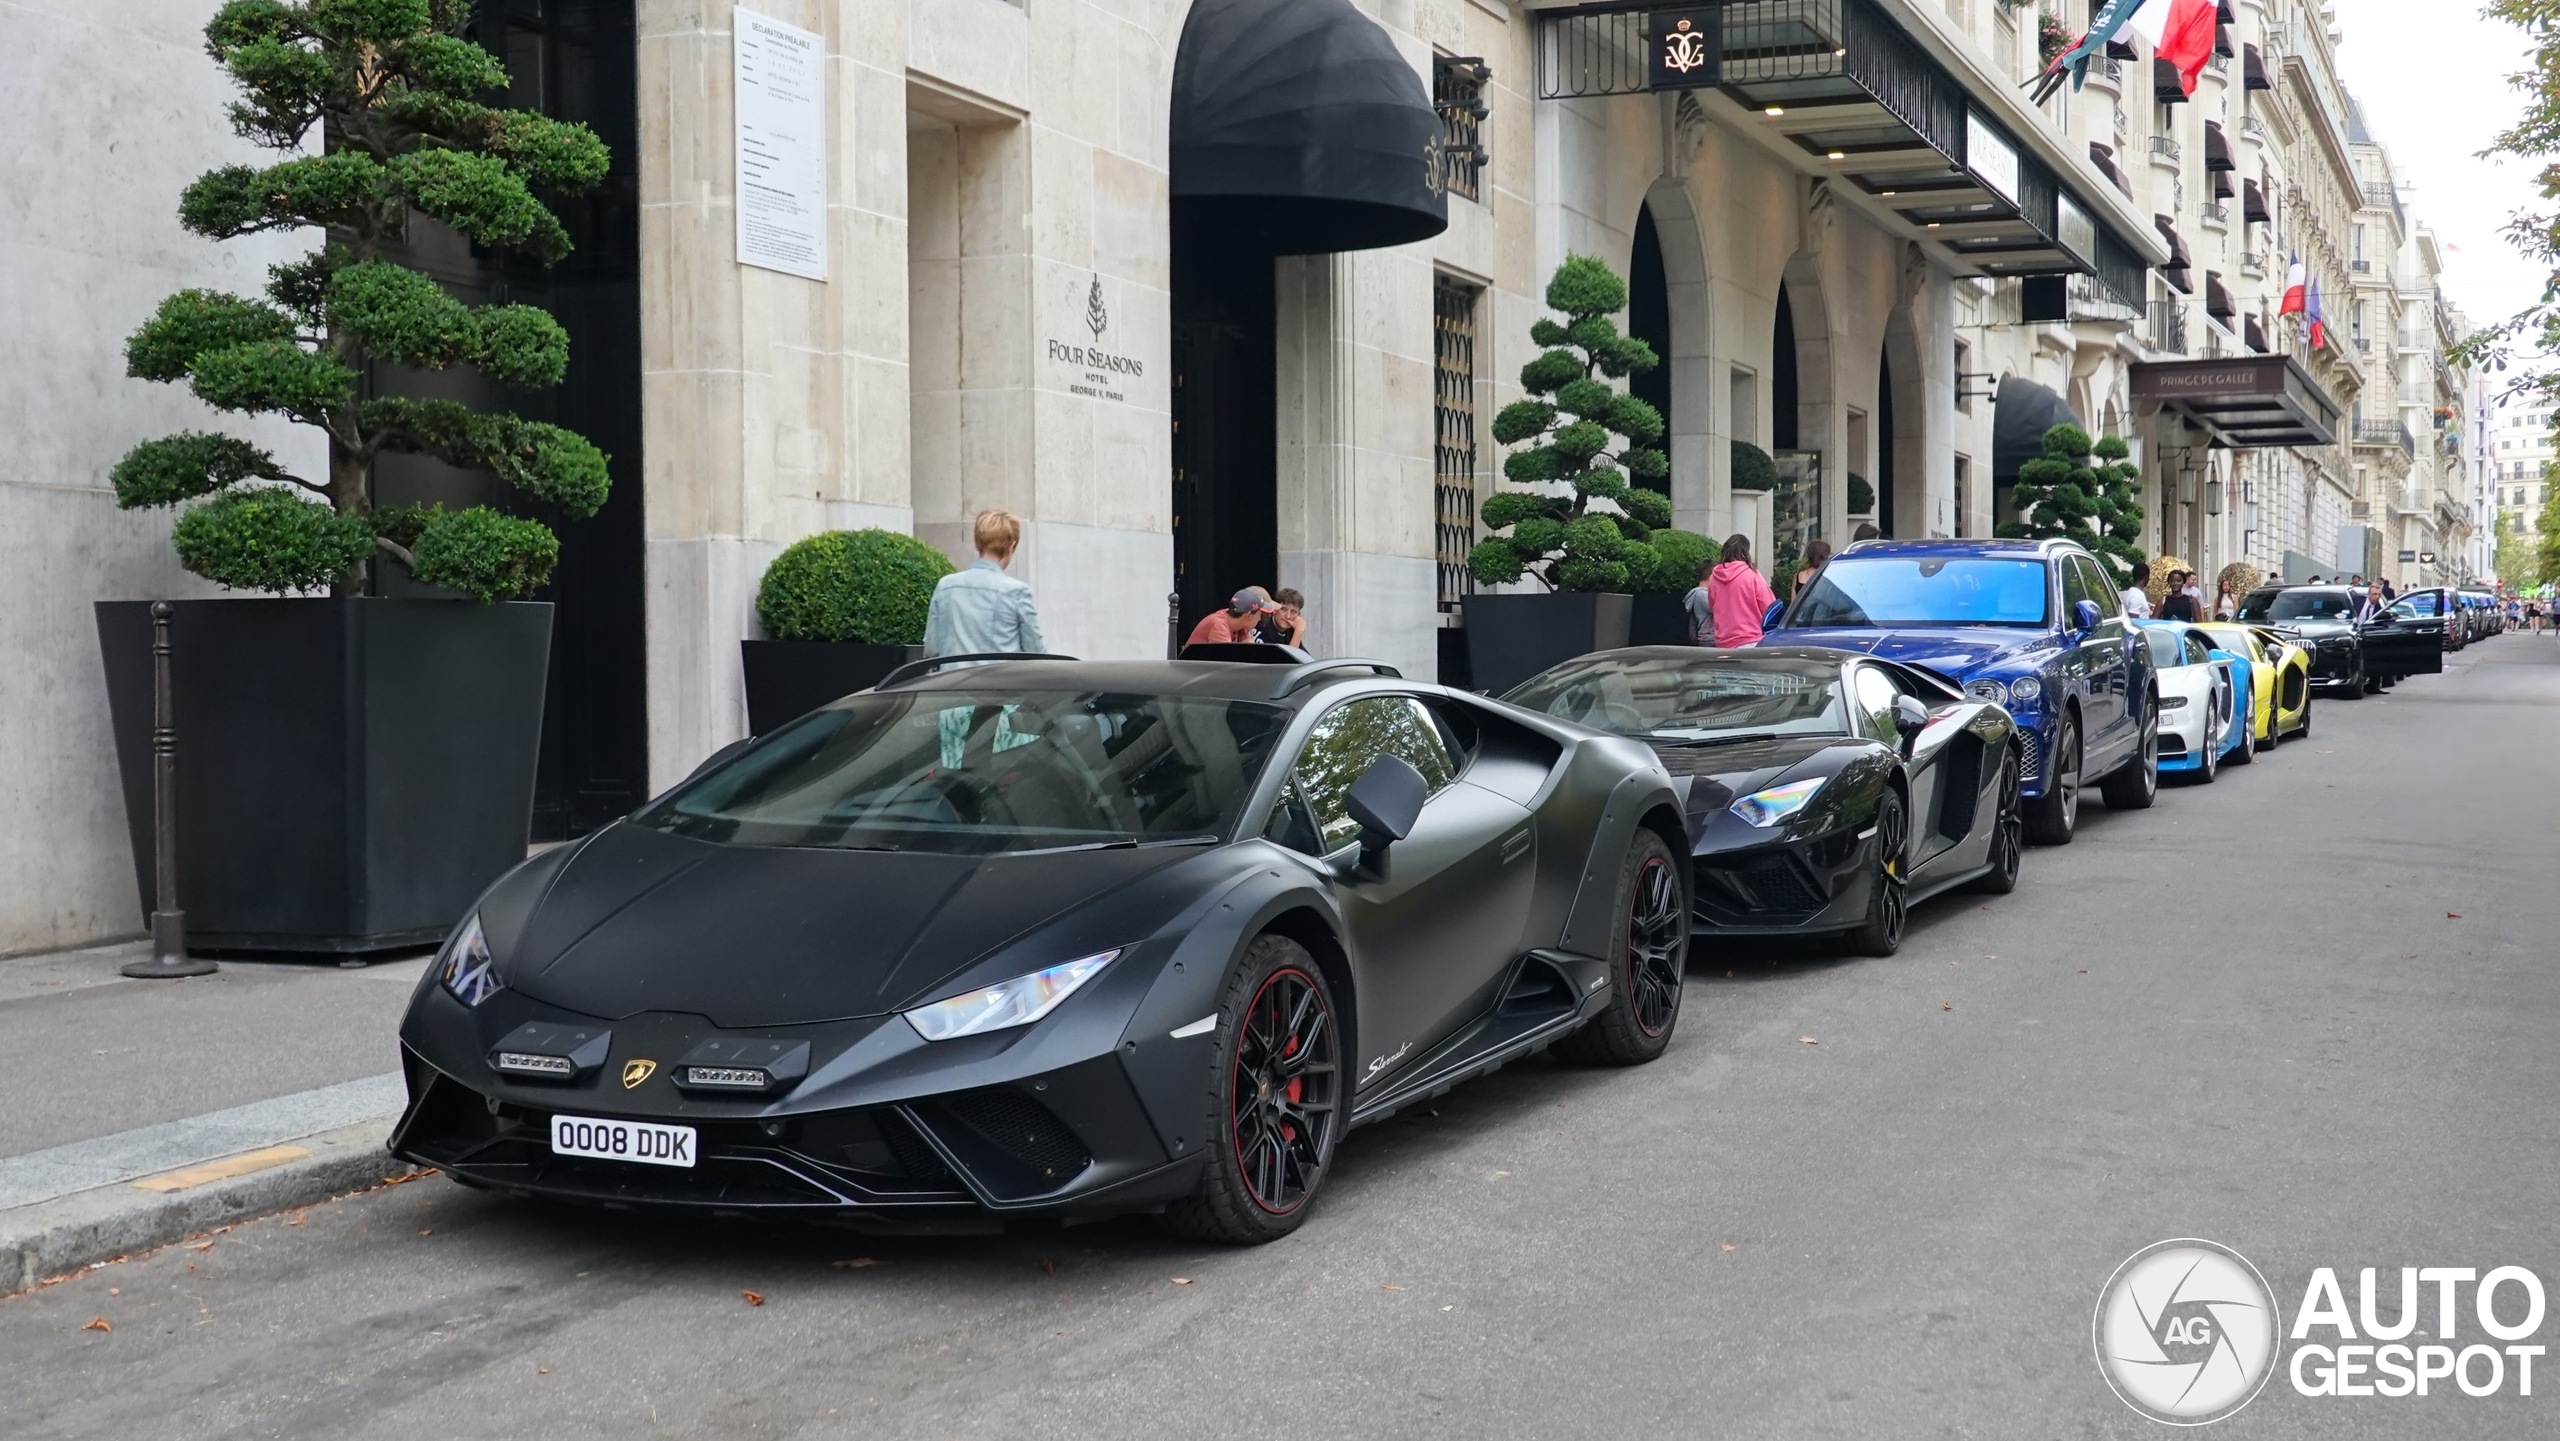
[1095,368]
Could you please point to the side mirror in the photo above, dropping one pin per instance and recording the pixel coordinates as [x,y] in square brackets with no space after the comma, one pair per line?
[1910,716]
[1386,801]
[1769,617]
[2084,614]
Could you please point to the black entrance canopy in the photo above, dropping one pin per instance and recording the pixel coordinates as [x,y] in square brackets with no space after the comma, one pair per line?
[1298,128]
[2246,402]
[2021,415]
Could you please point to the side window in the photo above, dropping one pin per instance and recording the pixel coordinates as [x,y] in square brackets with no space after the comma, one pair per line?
[2197,652]
[2094,580]
[1345,740]
[2075,589]
[1876,691]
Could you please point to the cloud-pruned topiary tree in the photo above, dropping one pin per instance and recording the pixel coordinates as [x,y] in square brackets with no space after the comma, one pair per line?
[2082,490]
[1564,431]
[395,91]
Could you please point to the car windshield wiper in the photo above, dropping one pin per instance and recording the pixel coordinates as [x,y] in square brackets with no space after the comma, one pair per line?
[1124,843]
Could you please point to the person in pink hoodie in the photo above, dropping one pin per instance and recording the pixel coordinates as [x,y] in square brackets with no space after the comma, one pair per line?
[1738,594]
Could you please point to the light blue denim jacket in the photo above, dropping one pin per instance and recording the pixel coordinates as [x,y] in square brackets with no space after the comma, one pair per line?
[981,609]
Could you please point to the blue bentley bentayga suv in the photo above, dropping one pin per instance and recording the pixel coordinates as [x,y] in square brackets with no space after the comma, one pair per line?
[2032,624]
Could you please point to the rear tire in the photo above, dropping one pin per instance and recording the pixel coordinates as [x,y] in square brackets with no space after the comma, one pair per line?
[1276,1100]
[2136,783]
[1651,942]
[2208,762]
[1889,904]
[2054,817]
[2007,835]
[2246,753]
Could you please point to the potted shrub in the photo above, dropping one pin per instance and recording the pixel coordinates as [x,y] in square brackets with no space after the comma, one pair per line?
[841,609]
[355,769]
[1577,526]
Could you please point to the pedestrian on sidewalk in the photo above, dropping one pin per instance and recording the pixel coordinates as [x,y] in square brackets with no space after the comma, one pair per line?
[1814,555]
[1287,623]
[1738,596]
[2136,598]
[2180,602]
[1700,608]
[982,610]
[1866,531]
[1236,624]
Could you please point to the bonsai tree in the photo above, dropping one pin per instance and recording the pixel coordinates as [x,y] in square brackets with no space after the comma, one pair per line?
[1580,525]
[395,93]
[861,585]
[2083,490]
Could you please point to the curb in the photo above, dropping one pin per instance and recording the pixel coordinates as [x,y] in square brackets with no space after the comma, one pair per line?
[66,1234]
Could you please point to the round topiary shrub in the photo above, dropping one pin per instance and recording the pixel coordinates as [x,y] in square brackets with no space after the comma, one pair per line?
[1680,553]
[1862,496]
[858,585]
[1752,468]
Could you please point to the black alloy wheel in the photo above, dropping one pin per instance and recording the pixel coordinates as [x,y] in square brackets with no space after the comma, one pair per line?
[1889,905]
[2008,840]
[2355,683]
[2054,817]
[1651,940]
[2136,783]
[1275,1091]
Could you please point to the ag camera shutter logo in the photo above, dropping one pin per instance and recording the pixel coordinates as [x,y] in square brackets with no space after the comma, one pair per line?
[2186,1332]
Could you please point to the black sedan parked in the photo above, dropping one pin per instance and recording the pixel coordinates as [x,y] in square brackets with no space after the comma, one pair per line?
[2350,656]
[1824,790]
[1043,937]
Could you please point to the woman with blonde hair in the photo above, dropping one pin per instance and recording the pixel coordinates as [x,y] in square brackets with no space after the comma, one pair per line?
[982,610]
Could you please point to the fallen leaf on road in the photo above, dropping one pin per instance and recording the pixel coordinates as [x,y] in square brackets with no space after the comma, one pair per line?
[115,1290]
[1946,1005]
[1387,1286]
[428,1232]
[207,1246]
[1502,1173]
[98,1325]
[542,1370]
[1724,1245]
[1448,1308]
[856,1264]
[1807,1041]
[2084,973]
[752,1298]
[1182,1280]
[298,1218]
[2453,915]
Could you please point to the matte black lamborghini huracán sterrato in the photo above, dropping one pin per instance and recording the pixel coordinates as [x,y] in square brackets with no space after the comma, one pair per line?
[1825,791]
[1057,938]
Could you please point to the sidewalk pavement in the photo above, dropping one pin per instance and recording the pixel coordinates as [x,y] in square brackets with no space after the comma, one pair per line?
[140,1112]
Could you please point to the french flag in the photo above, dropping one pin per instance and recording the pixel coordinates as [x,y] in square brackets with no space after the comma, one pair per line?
[2294,300]
[2319,322]
[2180,32]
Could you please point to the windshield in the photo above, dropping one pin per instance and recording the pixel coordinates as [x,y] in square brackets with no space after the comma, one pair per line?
[1923,590]
[961,773]
[1692,700]
[2299,605]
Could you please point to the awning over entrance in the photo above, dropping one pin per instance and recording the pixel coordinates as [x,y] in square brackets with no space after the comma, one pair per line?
[1297,128]
[2021,415]
[2247,402]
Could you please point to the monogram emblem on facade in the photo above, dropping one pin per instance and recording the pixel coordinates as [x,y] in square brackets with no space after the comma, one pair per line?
[1684,49]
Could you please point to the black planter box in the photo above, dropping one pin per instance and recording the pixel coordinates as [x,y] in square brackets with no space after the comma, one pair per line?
[1659,620]
[787,679]
[1513,637]
[352,773]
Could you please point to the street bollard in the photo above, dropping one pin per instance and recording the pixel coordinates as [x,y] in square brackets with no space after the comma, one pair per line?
[1173,625]
[169,958]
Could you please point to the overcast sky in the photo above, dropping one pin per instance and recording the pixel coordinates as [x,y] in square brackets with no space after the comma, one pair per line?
[2431,76]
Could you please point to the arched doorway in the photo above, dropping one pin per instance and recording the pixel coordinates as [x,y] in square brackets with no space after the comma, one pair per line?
[1649,320]
[1785,388]
[1885,453]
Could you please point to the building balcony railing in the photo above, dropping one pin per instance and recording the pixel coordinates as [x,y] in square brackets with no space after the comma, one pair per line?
[2219,217]
[2164,148]
[2253,263]
[2166,330]
[2380,433]
[2361,267]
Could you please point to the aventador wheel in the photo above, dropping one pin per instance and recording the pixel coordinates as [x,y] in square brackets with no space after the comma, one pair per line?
[1651,942]
[2007,838]
[2136,784]
[2055,815]
[1889,905]
[1275,1092]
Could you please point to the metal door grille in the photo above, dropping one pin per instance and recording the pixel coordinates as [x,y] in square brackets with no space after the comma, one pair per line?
[1453,416]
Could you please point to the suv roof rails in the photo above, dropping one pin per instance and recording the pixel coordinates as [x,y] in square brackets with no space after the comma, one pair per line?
[928,666]
[1300,677]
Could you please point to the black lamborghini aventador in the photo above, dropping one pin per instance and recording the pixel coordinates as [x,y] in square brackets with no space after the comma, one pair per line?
[1054,938]
[1823,791]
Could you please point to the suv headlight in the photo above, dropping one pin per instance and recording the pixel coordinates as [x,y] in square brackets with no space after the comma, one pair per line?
[1767,808]
[470,975]
[1017,1002]
[1990,690]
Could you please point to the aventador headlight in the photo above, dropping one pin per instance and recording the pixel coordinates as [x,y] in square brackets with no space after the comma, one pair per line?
[1767,808]
[1017,1002]
[469,974]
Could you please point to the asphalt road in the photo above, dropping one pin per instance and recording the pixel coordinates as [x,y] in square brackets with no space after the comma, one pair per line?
[1858,1198]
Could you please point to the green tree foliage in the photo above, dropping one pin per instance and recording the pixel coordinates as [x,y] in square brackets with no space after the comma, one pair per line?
[396,92]
[2530,340]
[1577,523]
[2547,524]
[2083,490]
[2519,556]
[865,585]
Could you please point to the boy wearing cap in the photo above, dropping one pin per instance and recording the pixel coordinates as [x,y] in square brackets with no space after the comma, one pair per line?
[1236,624]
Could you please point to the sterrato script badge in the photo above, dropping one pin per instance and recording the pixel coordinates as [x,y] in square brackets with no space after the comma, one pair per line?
[634,1072]
[1684,49]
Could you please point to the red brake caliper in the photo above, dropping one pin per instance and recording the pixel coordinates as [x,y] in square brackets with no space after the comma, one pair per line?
[1296,1083]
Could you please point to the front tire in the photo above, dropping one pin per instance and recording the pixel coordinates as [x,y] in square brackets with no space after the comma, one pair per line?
[2136,783]
[2007,835]
[2054,817]
[1889,904]
[1276,1100]
[1651,942]
[2208,760]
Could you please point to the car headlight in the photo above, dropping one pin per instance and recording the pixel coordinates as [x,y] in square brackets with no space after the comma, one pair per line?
[2026,690]
[470,976]
[2173,702]
[1990,690]
[1017,1002]
[1767,808]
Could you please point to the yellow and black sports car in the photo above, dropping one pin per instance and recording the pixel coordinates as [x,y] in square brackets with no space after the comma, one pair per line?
[2280,677]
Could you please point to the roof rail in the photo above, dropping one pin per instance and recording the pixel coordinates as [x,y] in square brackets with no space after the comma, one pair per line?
[1300,677]
[928,666]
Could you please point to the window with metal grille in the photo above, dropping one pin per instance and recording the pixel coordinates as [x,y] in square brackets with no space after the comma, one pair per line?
[1453,417]
[1457,92]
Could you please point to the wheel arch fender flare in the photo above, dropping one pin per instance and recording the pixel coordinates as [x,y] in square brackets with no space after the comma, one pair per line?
[1633,802]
